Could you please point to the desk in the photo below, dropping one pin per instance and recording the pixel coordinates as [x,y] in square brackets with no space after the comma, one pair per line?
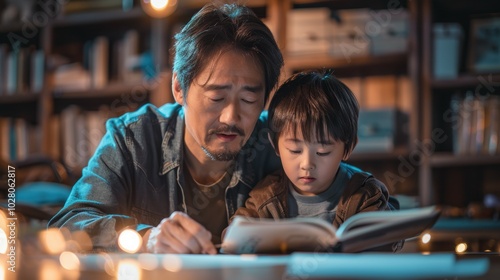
[295,266]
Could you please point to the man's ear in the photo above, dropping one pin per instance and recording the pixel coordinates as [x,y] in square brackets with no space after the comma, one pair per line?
[272,144]
[177,90]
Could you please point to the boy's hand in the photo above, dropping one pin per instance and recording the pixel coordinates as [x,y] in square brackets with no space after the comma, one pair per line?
[179,234]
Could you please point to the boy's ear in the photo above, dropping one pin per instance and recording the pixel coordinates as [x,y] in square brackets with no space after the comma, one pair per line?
[272,144]
[177,90]
[346,157]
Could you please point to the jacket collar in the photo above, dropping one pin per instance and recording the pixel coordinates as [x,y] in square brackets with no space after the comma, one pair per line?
[173,147]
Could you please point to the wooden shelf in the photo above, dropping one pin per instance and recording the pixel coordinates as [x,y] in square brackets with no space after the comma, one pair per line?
[464,80]
[197,4]
[11,27]
[344,4]
[18,98]
[111,90]
[451,160]
[95,17]
[374,156]
[391,63]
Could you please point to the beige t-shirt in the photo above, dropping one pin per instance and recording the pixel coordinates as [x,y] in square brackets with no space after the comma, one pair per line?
[206,204]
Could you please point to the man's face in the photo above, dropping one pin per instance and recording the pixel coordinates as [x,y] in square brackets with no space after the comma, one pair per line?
[222,106]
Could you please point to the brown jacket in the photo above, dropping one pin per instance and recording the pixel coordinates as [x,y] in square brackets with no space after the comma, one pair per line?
[363,193]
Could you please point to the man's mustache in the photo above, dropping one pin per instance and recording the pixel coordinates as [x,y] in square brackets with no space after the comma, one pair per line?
[227,129]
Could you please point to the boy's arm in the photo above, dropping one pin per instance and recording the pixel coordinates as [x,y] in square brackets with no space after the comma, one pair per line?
[372,195]
[264,201]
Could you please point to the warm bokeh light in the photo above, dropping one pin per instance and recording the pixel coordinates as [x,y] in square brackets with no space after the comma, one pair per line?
[108,264]
[2,271]
[426,238]
[69,261]
[159,4]
[148,261]
[159,8]
[130,241]
[49,270]
[172,263]
[83,241]
[128,270]
[3,242]
[52,241]
[3,220]
[461,247]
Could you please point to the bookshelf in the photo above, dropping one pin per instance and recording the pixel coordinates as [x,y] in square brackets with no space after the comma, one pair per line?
[449,175]
[382,75]
[406,75]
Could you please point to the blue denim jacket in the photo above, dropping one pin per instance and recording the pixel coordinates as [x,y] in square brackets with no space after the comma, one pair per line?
[135,177]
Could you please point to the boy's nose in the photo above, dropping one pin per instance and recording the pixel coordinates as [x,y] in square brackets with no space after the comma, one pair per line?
[308,163]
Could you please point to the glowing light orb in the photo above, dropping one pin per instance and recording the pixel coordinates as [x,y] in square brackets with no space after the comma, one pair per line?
[130,241]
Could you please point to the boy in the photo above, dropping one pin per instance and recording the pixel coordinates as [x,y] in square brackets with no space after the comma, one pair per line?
[313,120]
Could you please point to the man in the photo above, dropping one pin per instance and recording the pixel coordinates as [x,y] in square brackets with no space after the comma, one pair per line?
[177,173]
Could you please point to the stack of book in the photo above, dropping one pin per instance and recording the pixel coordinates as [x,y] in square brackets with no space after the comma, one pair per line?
[475,126]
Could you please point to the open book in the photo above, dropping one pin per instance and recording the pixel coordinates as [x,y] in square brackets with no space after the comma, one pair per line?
[360,232]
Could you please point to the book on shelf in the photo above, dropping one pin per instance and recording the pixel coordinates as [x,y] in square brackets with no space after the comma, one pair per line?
[99,62]
[492,127]
[474,124]
[37,71]
[81,132]
[11,69]
[361,232]
[18,139]
[3,69]
[79,6]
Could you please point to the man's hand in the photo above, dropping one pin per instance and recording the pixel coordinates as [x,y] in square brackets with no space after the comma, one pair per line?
[179,234]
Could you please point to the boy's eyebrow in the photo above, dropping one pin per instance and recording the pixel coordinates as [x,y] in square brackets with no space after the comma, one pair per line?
[295,140]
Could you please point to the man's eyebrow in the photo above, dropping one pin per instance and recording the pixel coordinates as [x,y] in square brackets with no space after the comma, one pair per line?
[256,88]
[216,87]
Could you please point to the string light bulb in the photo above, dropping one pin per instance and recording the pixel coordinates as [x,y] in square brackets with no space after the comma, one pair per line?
[159,8]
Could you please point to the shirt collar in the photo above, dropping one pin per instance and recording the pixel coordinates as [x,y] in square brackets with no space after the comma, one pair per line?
[173,145]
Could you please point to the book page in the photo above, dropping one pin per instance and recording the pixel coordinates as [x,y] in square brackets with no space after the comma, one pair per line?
[252,235]
[371,229]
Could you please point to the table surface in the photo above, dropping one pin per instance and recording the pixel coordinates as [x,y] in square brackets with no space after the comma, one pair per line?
[294,266]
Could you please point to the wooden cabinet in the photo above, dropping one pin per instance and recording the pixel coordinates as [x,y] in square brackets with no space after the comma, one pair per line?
[383,74]
[457,169]
[94,64]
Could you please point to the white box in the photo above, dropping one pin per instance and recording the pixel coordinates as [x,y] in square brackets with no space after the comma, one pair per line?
[308,31]
[447,41]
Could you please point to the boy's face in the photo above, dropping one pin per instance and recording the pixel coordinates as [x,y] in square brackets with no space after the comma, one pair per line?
[310,166]
[222,106]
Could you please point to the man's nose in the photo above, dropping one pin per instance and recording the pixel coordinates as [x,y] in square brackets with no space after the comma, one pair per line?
[230,115]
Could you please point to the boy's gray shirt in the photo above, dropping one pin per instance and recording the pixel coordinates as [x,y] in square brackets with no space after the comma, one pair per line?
[135,177]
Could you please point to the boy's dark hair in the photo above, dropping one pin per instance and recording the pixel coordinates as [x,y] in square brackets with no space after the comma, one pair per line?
[311,102]
[216,28]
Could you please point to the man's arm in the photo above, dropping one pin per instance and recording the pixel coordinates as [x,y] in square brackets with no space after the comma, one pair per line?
[98,201]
